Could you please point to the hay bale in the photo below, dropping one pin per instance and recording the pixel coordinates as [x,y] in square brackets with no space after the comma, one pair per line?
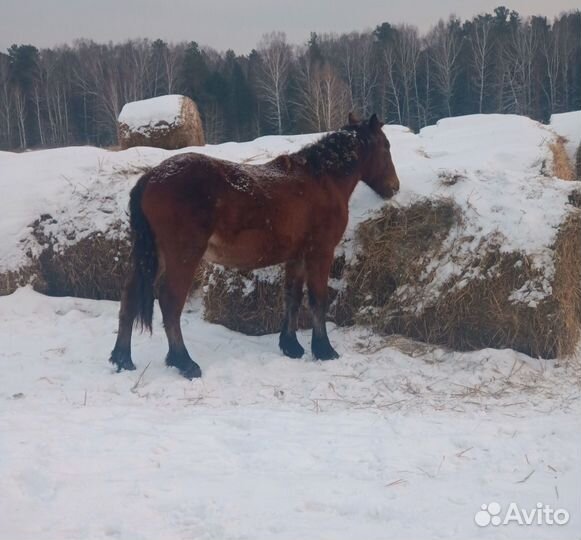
[493,302]
[94,267]
[248,302]
[29,274]
[251,302]
[562,166]
[392,285]
[169,122]
[578,163]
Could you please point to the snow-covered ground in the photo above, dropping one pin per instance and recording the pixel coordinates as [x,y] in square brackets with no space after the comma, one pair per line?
[394,440]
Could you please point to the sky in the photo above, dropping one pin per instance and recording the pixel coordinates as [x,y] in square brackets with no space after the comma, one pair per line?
[224,24]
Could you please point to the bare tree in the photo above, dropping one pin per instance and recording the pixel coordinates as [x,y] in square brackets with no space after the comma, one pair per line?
[518,76]
[481,45]
[6,103]
[171,60]
[323,98]
[276,56]
[20,109]
[407,47]
[445,49]
[360,70]
[551,50]
[392,87]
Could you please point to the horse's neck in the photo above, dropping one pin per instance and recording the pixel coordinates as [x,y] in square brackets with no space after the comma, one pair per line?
[347,184]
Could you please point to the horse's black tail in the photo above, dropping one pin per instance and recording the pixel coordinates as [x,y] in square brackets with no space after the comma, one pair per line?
[143,258]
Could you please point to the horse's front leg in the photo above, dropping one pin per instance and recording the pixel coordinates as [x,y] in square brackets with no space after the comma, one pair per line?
[294,281]
[318,267]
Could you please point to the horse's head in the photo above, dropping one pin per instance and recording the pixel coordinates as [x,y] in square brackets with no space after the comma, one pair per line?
[377,168]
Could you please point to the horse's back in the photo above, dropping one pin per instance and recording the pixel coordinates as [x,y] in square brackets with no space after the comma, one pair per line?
[253,215]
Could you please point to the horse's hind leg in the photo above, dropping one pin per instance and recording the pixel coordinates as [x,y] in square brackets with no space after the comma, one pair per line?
[318,267]
[121,354]
[293,295]
[175,284]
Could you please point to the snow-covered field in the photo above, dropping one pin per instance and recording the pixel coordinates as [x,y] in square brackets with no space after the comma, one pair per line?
[393,440]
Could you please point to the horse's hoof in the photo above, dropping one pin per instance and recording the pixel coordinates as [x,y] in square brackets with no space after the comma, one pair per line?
[324,352]
[122,361]
[185,365]
[291,347]
[193,371]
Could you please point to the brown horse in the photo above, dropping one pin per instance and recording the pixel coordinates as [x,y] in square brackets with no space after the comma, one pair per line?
[292,210]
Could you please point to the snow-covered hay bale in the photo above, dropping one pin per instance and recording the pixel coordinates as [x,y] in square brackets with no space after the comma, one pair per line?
[31,274]
[568,127]
[562,166]
[492,302]
[578,163]
[168,122]
[93,266]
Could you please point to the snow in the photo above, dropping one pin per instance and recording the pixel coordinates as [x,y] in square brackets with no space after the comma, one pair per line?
[148,113]
[393,440]
[568,125]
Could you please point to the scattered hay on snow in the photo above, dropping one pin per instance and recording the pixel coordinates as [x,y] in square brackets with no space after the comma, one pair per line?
[169,122]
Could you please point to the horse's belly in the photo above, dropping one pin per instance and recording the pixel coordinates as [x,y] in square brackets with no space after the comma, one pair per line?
[248,250]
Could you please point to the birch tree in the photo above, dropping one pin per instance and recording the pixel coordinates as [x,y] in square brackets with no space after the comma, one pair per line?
[275,55]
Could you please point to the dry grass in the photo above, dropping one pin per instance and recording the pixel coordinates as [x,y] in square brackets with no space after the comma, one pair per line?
[562,166]
[188,132]
[247,303]
[578,164]
[30,274]
[226,303]
[567,285]
[468,313]
[94,267]
[575,198]
[394,251]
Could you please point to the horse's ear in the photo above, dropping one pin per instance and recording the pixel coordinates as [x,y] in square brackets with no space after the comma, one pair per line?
[353,120]
[374,123]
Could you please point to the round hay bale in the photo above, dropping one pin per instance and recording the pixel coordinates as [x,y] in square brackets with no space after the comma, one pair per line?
[578,163]
[29,274]
[562,166]
[168,122]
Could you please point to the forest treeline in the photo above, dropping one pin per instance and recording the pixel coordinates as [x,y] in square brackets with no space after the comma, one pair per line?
[498,62]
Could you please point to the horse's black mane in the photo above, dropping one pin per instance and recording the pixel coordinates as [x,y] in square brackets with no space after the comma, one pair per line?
[336,153]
